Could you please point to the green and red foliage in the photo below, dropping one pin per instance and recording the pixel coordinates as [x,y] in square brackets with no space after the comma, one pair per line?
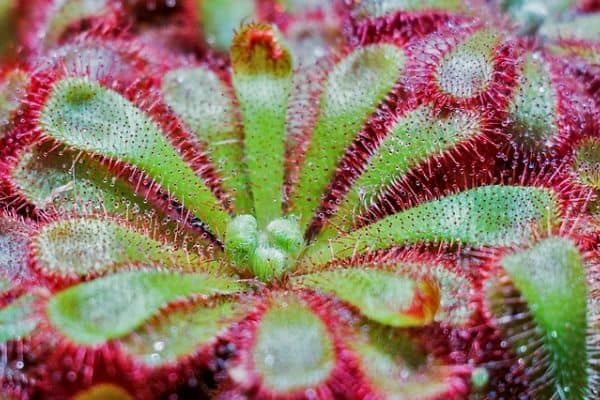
[285,199]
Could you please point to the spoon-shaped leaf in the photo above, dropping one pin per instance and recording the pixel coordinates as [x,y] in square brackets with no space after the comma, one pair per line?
[89,117]
[551,278]
[414,138]
[388,298]
[262,79]
[87,245]
[352,92]
[110,307]
[488,215]
[205,105]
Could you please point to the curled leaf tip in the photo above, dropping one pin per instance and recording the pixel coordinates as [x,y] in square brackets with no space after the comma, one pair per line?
[258,48]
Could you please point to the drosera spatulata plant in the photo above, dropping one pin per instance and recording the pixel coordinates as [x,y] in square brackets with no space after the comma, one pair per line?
[347,200]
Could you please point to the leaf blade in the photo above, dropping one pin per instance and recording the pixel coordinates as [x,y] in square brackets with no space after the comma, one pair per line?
[488,215]
[385,297]
[353,90]
[111,307]
[86,116]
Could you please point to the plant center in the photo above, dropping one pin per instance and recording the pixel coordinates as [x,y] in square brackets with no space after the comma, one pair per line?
[265,253]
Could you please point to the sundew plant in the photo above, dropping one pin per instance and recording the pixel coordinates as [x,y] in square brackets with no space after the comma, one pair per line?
[300,199]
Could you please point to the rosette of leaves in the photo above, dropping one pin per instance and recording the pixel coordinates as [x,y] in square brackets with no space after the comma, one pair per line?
[400,219]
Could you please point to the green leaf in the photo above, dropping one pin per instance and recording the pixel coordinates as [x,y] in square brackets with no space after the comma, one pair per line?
[551,277]
[398,369]
[241,240]
[111,307]
[89,117]
[179,332]
[352,92]
[533,110]
[211,115]
[87,245]
[17,319]
[268,263]
[382,296]
[66,180]
[455,289]
[262,79]
[285,234]
[12,91]
[220,18]
[467,70]
[414,139]
[484,216]
[266,254]
[292,350]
